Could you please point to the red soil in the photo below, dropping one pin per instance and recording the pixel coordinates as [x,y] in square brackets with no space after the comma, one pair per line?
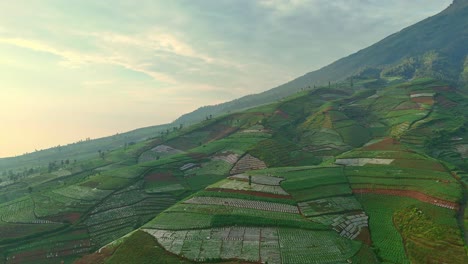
[221,131]
[70,217]
[419,164]
[196,155]
[90,184]
[96,257]
[253,193]
[443,88]
[407,106]
[282,114]
[364,236]
[160,177]
[386,144]
[423,100]
[411,194]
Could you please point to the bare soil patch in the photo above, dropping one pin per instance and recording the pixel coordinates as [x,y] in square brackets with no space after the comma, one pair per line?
[385,144]
[160,177]
[423,100]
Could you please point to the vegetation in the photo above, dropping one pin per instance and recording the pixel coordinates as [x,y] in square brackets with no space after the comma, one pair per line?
[370,169]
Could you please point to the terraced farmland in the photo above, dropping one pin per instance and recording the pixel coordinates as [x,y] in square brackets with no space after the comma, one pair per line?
[324,176]
[257,244]
[247,162]
[237,185]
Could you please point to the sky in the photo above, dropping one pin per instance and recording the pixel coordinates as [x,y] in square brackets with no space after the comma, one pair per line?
[75,69]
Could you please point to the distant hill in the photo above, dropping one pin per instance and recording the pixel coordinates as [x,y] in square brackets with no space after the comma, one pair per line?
[83,149]
[436,46]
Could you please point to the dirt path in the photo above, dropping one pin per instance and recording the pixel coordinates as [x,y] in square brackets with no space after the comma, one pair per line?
[412,194]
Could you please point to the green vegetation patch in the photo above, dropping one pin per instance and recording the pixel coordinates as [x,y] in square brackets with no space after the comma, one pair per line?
[425,240]
[245,196]
[385,237]
[143,248]
[300,180]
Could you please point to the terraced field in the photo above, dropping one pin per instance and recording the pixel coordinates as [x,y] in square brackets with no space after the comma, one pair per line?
[257,245]
[328,175]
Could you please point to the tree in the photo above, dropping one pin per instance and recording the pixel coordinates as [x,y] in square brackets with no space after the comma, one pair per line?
[30,189]
[250,180]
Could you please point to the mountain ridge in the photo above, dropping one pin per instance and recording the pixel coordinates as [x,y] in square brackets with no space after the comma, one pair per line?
[372,55]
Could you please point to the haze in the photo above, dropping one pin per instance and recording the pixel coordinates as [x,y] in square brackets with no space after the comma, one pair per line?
[76,69]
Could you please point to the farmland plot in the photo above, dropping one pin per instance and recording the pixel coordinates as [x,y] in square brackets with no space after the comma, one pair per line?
[180,220]
[241,203]
[196,216]
[308,247]
[216,167]
[21,211]
[384,234]
[257,244]
[321,191]
[166,189]
[157,152]
[226,156]
[259,179]
[246,163]
[123,212]
[51,203]
[82,193]
[242,185]
[329,205]
[363,161]
[350,225]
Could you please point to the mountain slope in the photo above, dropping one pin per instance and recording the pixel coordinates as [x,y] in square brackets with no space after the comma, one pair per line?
[326,165]
[445,33]
[263,184]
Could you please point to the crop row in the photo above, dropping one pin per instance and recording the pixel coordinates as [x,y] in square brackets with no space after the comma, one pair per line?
[82,193]
[20,212]
[259,179]
[241,203]
[385,236]
[255,244]
[243,185]
[246,163]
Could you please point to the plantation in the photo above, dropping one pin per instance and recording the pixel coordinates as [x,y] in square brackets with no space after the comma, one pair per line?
[421,224]
[327,175]
[231,184]
[259,205]
[329,205]
[257,244]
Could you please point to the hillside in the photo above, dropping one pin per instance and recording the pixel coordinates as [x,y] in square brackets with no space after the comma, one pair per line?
[328,169]
[369,168]
[434,47]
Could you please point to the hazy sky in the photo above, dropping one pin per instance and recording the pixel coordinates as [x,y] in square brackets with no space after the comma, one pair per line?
[85,68]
